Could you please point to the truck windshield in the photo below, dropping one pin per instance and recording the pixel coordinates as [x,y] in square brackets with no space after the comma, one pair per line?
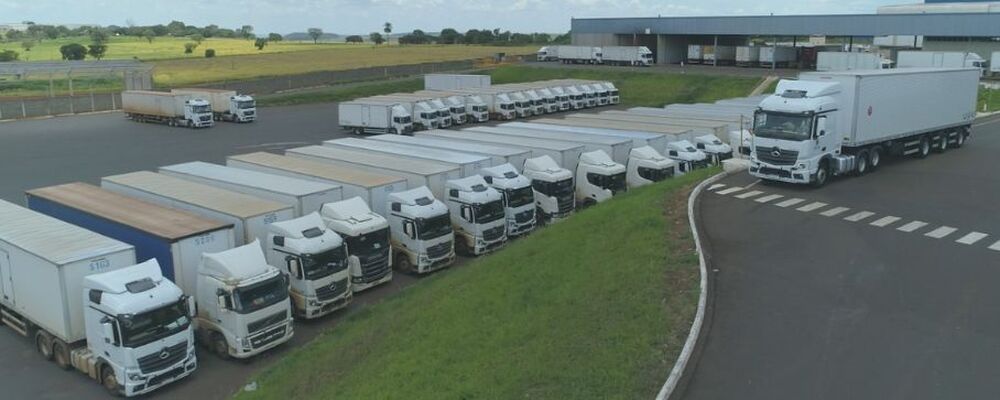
[507,106]
[433,227]
[554,189]
[775,125]
[614,183]
[520,197]
[488,212]
[260,295]
[369,243]
[318,266]
[150,326]
[479,108]
[246,104]
[656,174]
[201,109]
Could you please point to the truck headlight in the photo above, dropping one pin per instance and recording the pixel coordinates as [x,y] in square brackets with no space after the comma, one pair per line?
[134,376]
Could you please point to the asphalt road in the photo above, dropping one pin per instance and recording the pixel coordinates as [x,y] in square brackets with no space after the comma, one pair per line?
[878,287]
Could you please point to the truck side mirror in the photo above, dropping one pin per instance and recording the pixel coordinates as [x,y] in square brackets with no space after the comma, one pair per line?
[108,330]
[220,298]
[408,229]
[467,213]
[673,152]
[701,146]
[192,307]
[821,126]
[279,241]
[294,268]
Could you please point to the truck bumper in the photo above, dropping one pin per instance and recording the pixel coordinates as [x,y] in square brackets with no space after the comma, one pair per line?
[316,309]
[515,230]
[485,248]
[425,266]
[780,173]
[270,338]
[154,381]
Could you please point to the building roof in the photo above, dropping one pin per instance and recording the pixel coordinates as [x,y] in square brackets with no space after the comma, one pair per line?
[50,239]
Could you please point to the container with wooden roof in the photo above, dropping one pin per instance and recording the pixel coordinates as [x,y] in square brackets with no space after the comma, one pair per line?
[175,238]
[372,187]
[249,215]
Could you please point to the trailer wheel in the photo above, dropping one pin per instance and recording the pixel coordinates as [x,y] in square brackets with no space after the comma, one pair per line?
[874,158]
[960,139]
[942,143]
[220,346]
[924,148]
[60,353]
[861,163]
[43,343]
[110,381]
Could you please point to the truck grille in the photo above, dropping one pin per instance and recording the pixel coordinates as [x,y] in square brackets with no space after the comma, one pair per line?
[265,322]
[493,234]
[525,216]
[164,358]
[332,290]
[206,118]
[439,250]
[374,268]
[566,204]
[156,380]
[776,156]
[776,172]
[268,337]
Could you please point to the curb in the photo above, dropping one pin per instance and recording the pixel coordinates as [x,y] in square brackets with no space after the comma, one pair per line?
[699,318]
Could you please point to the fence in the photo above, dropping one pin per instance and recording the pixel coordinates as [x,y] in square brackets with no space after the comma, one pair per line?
[43,106]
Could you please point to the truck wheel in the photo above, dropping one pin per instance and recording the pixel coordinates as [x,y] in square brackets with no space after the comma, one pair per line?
[60,353]
[43,343]
[960,139]
[110,381]
[924,148]
[462,248]
[403,263]
[942,143]
[822,175]
[874,158]
[861,163]
[220,346]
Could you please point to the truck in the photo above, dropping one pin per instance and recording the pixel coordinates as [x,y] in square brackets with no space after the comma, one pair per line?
[368,254]
[366,233]
[598,178]
[562,97]
[637,56]
[546,53]
[167,108]
[578,54]
[420,231]
[475,108]
[477,215]
[613,95]
[498,102]
[460,114]
[940,59]
[500,154]
[647,166]
[524,106]
[777,56]
[375,117]
[539,103]
[518,197]
[455,81]
[227,105]
[468,164]
[84,303]
[747,56]
[445,114]
[423,115]
[837,123]
[248,214]
[314,258]
[845,61]
[719,55]
[578,100]
[303,195]
[687,155]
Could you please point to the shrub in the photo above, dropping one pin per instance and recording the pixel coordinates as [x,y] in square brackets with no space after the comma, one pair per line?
[209,53]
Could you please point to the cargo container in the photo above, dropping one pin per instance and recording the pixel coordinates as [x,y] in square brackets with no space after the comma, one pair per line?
[846,61]
[696,127]
[566,155]
[248,214]
[375,117]
[695,54]
[498,153]
[578,54]
[616,148]
[304,196]
[455,81]
[227,105]
[468,164]
[779,56]
[167,108]
[657,141]
[747,56]
[719,55]
[670,132]
[627,55]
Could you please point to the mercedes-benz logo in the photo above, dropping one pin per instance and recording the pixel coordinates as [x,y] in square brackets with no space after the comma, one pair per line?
[164,354]
[776,152]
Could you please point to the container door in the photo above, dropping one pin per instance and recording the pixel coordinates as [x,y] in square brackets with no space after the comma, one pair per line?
[7,284]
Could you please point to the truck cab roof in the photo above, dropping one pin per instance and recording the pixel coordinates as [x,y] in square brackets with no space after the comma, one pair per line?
[801,96]
[134,289]
[308,234]
[546,166]
[684,147]
[238,264]
[647,153]
[473,189]
[352,214]
[599,158]
[419,198]
[504,176]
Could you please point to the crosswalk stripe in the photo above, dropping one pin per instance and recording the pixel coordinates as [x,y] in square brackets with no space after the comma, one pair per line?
[834,211]
[941,232]
[749,194]
[885,221]
[790,202]
[768,198]
[972,238]
[995,246]
[812,206]
[715,186]
[730,190]
[912,226]
[859,216]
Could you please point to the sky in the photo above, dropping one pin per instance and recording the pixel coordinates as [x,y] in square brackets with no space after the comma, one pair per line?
[363,16]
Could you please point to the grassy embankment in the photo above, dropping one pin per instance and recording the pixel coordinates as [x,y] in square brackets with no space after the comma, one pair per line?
[595,307]
[637,88]
[989,100]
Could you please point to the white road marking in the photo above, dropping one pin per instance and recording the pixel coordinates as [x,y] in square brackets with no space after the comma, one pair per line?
[941,232]
[790,202]
[972,238]
[833,211]
[995,246]
[715,186]
[885,221]
[730,190]
[749,194]
[768,198]
[912,226]
[859,216]
[811,206]
[752,184]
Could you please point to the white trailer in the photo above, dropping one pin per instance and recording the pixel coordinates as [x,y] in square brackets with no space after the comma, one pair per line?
[416,172]
[695,54]
[627,55]
[567,155]
[371,187]
[578,54]
[168,108]
[657,141]
[780,56]
[498,102]
[939,59]
[697,127]
[499,154]
[846,61]
[670,132]
[249,215]
[616,148]
[304,195]
[747,56]
[455,81]
[227,105]
[719,55]
[468,164]
[734,122]
[375,117]
[995,63]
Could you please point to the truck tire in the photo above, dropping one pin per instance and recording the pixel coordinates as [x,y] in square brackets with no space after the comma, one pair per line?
[960,138]
[924,148]
[43,343]
[110,381]
[874,158]
[861,163]
[942,143]
[822,175]
[219,345]
[60,354]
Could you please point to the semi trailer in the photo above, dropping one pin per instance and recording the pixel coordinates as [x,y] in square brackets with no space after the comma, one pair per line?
[375,116]
[423,115]
[747,56]
[455,81]
[638,56]
[837,123]
[845,61]
[777,56]
[718,55]
[694,127]
[656,140]
[469,164]
[366,233]
[167,108]
[500,154]
[616,147]
[578,54]
[314,258]
[227,105]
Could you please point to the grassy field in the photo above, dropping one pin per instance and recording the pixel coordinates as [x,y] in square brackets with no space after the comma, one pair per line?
[563,314]
[127,47]
[989,100]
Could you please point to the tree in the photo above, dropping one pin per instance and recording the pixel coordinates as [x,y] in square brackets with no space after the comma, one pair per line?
[50,31]
[449,36]
[99,36]
[14,34]
[274,37]
[315,34]
[376,38]
[354,39]
[28,44]
[97,51]
[8,55]
[416,37]
[260,43]
[176,28]
[246,32]
[73,51]
[149,34]
[189,47]
[198,38]
[562,39]
[209,53]
[387,28]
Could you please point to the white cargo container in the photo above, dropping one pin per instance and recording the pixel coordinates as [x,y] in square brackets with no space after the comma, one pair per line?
[169,108]
[371,187]
[657,141]
[939,59]
[695,54]
[249,215]
[697,127]
[468,164]
[846,61]
[499,154]
[627,55]
[719,55]
[305,196]
[227,105]
[567,155]
[669,132]
[995,62]
[616,148]
[455,81]
[375,117]
[664,126]
[777,56]
[416,172]
[579,54]
[747,56]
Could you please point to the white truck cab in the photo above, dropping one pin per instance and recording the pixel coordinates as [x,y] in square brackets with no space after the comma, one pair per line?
[367,236]
[422,114]
[601,92]
[589,95]
[196,111]
[522,104]
[598,178]
[421,233]
[518,197]
[687,155]
[714,148]
[315,260]
[613,95]
[555,198]
[563,102]
[538,103]
[476,108]
[646,166]
[477,215]
[243,307]
[459,112]
[243,108]
[444,112]
[578,98]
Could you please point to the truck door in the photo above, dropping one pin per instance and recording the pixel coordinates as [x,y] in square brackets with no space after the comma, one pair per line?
[7,286]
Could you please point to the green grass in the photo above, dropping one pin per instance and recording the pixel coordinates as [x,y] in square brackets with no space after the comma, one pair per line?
[989,100]
[127,47]
[594,307]
[341,93]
